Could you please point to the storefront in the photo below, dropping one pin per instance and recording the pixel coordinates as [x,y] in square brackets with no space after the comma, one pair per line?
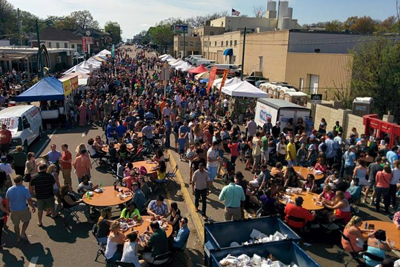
[378,128]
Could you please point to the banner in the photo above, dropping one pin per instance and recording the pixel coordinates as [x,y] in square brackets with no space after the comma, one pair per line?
[224,79]
[84,45]
[211,78]
[74,82]
[67,87]
[112,51]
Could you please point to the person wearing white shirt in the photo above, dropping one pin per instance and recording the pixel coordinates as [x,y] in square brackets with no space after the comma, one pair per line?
[177,99]
[393,183]
[212,161]
[6,167]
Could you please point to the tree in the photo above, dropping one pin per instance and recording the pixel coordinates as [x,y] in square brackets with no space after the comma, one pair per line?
[84,19]
[364,25]
[258,11]
[376,73]
[114,30]
[391,24]
[334,26]
[161,35]
[8,20]
[349,22]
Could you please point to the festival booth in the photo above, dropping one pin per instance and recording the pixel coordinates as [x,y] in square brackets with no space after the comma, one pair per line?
[198,70]
[244,95]
[184,67]
[77,69]
[379,128]
[177,63]
[104,53]
[168,58]
[203,75]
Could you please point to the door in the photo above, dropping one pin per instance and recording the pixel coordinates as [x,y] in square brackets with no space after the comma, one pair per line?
[285,115]
[314,82]
[27,133]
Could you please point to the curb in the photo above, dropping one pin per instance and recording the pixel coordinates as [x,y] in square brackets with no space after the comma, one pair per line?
[186,196]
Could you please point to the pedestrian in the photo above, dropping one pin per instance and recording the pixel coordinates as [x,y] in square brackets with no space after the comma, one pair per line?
[42,185]
[6,167]
[382,187]
[234,149]
[5,139]
[82,165]
[3,214]
[18,195]
[212,161]
[232,194]
[168,130]
[200,187]
[393,184]
[19,159]
[66,164]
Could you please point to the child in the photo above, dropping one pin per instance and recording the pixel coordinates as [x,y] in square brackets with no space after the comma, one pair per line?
[181,145]
[234,149]
[355,190]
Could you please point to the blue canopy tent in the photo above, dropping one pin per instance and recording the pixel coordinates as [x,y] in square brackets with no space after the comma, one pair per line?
[228,52]
[48,88]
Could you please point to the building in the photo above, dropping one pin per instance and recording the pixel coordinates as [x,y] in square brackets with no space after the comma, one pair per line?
[100,39]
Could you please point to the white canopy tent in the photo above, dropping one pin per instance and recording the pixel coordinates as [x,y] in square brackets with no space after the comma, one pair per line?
[82,77]
[168,58]
[104,53]
[95,63]
[85,65]
[177,63]
[228,82]
[163,56]
[244,89]
[77,69]
[184,67]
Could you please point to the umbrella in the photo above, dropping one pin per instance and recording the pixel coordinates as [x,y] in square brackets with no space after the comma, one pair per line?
[203,75]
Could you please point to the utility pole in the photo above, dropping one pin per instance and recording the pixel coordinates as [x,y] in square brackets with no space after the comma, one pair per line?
[19,27]
[184,44]
[40,63]
[244,48]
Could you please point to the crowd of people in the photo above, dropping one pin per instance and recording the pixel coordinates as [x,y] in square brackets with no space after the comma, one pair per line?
[139,114]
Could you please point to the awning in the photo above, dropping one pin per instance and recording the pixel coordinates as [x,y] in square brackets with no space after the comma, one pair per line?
[228,52]
[48,88]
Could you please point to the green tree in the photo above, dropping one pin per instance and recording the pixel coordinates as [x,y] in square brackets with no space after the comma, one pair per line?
[364,25]
[376,73]
[114,30]
[162,35]
[334,26]
[84,19]
[349,23]
[8,20]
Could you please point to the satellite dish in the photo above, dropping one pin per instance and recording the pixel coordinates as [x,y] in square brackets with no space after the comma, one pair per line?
[87,33]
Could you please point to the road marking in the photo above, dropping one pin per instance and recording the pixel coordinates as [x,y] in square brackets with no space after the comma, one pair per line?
[45,144]
[186,196]
[33,261]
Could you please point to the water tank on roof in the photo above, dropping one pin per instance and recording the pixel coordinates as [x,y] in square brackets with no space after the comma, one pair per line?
[363,106]
[290,12]
[286,23]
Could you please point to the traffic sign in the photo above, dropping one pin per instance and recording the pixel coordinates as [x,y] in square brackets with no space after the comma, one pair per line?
[316,98]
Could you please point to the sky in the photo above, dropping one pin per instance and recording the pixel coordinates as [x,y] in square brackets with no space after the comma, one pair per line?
[137,15]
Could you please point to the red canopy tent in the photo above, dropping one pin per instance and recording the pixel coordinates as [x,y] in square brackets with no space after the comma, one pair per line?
[376,127]
[199,69]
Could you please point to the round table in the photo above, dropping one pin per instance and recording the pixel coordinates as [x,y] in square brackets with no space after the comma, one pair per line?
[391,231]
[147,165]
[143,227]
[117,146]
[109,197]
[308,204]
[304,171]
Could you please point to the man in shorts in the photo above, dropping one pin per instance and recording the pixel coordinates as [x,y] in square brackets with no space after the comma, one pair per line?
[42,185]
[18,195]
[212,161]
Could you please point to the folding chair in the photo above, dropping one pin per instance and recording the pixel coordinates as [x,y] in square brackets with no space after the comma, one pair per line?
[354,255]
[70,214]
[96,160]
[167,255]
[160,184]
[102,246]
[170,177]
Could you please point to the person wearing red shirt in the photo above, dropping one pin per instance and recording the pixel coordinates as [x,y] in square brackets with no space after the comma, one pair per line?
[296,216]
[234,148]
[66,164]
[5,139]
[382,187]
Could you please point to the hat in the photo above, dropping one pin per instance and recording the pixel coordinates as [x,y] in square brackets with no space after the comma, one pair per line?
[352,147]
[312,136]
[3,158]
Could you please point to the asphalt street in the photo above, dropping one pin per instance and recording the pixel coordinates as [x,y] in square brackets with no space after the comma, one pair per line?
[56,245]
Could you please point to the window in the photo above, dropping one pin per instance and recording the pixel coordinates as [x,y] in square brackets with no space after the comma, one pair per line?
[235,42]
[226,43]
[73,46]
[58,45]
[49,44]
[230,43]
[261,64]
[222,43]
[234,59]
[209,43]
[215,43]
[65,45]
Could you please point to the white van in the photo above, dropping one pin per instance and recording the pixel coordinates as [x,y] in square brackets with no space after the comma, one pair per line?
[191,59]
[24,122]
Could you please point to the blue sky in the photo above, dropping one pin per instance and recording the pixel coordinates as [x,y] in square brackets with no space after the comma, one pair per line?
[137,15]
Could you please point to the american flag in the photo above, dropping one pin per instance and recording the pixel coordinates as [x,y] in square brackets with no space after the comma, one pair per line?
[235,12]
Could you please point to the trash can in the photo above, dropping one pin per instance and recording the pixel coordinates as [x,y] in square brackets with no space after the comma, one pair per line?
[363,106]
[222,234]
[284,251]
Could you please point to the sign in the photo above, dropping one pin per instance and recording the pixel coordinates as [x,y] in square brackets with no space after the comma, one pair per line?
[224,79]
[11,123]
[84,45]
[74,82]
[181,28]
[89,40]
[67,87]
[316,98]
[211,78]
